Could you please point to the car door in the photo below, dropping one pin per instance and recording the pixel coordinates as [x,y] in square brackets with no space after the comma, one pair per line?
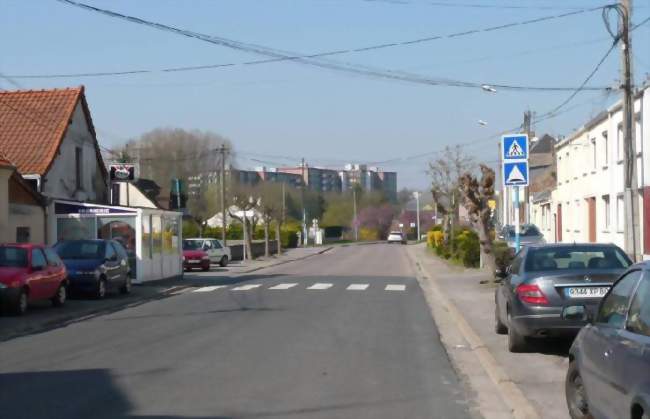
[210,250]
[112,266]
[218,251]
[634,349]
[508,286]
[56,269]
[601,378]
[38,278]
[123,256]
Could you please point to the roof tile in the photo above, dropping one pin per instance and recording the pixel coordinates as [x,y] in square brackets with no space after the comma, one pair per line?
[33,124]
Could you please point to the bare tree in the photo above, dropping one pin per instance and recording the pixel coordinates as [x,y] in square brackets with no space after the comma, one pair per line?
[476,195]
[205,205]
[247,202]
[445,173]
[270,209]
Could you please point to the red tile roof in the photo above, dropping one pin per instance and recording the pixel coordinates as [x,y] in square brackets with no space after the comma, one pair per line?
[4,162]
[33,124]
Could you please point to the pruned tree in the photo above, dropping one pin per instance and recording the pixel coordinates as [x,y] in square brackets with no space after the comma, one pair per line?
[205,205]
[445,173]
[271,210]
[476,196]
[246,201]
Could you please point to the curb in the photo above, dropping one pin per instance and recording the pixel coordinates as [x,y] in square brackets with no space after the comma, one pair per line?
[510,393]
[284,262]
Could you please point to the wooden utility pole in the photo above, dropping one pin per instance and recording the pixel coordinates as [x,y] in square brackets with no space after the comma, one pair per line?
[222,151]
[632,242]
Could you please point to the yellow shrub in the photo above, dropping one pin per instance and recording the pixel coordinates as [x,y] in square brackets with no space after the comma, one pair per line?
[368,234]
[435,238]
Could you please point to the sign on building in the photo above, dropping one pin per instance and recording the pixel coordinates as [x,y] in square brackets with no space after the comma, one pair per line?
[122,172]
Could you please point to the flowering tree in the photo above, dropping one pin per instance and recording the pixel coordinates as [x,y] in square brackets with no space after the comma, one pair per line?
[377,218]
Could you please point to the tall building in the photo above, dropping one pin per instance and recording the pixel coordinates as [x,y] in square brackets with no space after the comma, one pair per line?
[316,178]
[370,179]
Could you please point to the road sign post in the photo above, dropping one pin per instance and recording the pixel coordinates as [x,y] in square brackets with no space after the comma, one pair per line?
[515,171]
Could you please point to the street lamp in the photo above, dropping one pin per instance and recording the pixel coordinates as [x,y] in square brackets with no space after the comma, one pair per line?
[488,88]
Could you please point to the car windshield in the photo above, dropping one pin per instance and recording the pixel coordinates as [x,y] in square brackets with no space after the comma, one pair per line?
[524,231]
[192,245]
[13,257]
[80,249]
[576,258]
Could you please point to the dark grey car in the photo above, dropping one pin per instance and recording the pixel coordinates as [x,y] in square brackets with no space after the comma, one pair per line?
[544,279]
[609,362]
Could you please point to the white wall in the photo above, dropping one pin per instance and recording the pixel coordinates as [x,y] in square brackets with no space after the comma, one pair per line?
[131,196]
[60,181]
[31,216]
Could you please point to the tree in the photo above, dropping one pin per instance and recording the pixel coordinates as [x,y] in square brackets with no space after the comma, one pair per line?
[377,218]
[445,173]
[270,208]
[205,205]
[246,201]
[164,154]
[476,195]
[404,196]
[339,211]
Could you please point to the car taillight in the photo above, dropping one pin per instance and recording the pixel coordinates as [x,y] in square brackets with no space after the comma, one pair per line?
[531,294]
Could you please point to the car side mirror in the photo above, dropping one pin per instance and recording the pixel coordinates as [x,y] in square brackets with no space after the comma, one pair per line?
[577,313]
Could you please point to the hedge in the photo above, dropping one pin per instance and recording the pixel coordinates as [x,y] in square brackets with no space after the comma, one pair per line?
[464,247]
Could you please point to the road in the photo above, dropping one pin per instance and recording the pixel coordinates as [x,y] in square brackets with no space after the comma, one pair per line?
[346,334]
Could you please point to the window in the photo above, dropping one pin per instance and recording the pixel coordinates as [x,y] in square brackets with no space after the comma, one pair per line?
[620,214]
[52,257]
[594,160]
[110,252]
[638,319]
[606,148]
[38,259]
[78,158]
[121,251]
[216,244]
[13,257]
[614,307]
[23,235]
[575,257]
[156,232]
[638,132]
[620,151]
[75,228]
[146,237]
[606,210]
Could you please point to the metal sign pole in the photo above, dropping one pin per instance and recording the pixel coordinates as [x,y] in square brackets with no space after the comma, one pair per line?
[517,241]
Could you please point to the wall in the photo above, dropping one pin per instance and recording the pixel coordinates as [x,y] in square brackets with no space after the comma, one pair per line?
[237,250]
[31,216]
[5,232]
[131,196]
[59,182]
[18,209]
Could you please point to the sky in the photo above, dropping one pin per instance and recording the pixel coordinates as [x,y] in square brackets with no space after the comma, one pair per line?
[276,113]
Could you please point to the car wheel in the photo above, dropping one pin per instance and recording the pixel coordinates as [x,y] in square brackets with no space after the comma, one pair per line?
[100,291]
[61,295]
[516,342]
[126,288]
[576,396]
[223,262]
[499,327]
[19,307]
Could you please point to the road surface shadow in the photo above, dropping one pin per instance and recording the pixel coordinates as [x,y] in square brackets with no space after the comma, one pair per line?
[552,346]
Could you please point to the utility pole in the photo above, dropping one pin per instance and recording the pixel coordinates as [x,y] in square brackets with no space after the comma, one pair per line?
[302,200]
[354,208]
[528,116]
[631,194]
[417,213]
[284,203]
[222,151]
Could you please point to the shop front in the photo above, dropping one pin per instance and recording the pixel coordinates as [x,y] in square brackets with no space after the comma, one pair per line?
[151,236]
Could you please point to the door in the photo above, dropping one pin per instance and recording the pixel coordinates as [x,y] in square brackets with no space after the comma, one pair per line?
[601,361]
[112,266]
[38,279]
[123,260]
[591,208]
[218,250]
[558,230]
[56,271]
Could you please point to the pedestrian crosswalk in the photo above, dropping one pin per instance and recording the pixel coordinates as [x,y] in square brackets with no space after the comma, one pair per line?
[318,286]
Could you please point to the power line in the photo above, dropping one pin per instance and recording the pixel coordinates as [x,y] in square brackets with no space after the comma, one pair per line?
[472,5]
[316,59]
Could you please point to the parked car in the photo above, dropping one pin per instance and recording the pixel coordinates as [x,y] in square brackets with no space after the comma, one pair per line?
[194,256]
[609,362]
[96,266]
[396,237]
[217,252]
[528,234]
[544,279]
[29,273]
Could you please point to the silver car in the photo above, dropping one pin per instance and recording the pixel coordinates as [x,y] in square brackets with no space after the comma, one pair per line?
[543,280]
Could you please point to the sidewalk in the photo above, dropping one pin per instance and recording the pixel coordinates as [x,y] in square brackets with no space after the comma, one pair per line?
[289,255]
[532,383]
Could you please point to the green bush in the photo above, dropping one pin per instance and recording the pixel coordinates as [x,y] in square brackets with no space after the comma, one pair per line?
[463,248]
[190,229]
[503,255]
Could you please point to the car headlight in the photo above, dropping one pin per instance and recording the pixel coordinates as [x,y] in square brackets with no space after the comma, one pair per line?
[2,285]
[183,258]
[206,257]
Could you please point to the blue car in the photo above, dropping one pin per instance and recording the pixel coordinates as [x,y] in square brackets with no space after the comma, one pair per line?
[95,266]
[609,362]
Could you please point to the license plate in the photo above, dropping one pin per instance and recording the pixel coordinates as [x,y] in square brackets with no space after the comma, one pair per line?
[586,292]
[195,262]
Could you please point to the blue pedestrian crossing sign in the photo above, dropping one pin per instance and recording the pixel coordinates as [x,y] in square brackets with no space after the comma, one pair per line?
[514,147]
[515,173]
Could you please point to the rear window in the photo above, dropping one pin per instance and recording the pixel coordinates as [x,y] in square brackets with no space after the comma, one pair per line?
[576,258]
[80,249]
[13,257]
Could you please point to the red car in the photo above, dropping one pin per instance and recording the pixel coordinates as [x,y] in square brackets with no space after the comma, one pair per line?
[30,272]
[194,256]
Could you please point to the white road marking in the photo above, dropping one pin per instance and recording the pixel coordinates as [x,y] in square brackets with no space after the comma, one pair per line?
[394,287]
[283,286]
[209,289]
[320,286]
[247,287]
[357,287]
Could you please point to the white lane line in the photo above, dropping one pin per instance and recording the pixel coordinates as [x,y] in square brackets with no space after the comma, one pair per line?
[358,287]
[394,287]
[209,289]
[247,287]
[320,286]
[283,286]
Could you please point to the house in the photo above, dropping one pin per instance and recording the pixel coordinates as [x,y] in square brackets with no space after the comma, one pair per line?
[22,215]
[50,138]
[587,205]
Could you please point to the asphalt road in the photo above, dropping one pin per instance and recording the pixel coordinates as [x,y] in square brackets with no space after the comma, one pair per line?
[346,334]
